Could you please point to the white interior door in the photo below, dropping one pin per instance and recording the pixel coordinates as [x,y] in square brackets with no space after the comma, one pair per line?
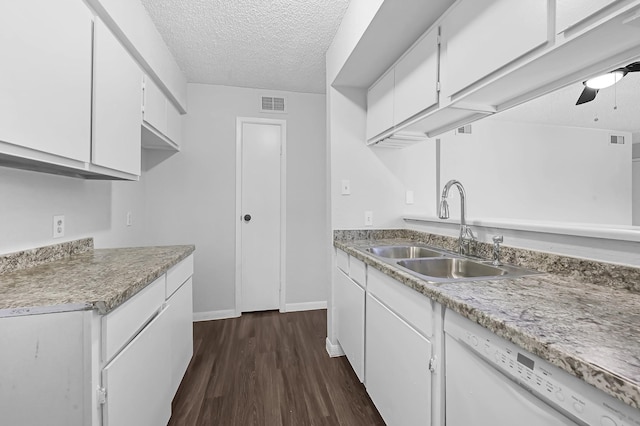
[260,240]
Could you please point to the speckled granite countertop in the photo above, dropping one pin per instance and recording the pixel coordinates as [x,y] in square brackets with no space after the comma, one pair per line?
[94,279]
[589,330]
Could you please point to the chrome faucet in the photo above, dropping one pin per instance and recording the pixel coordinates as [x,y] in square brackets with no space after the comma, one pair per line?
[467,242]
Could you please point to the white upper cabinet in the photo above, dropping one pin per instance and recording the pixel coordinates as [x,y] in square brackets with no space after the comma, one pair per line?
[571,12]
[117,98]
[45,77]
[155,106]
[174,124]
[416,79]
[380,105]
[481,36]
[162,122]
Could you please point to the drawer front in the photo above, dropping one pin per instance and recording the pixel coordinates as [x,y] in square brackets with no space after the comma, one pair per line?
[177,275]
[407,303]
[358,271]
[342,260]
[121,325]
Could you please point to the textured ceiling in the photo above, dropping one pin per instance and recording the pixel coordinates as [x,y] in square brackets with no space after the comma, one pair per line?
[559,107]
[265,44]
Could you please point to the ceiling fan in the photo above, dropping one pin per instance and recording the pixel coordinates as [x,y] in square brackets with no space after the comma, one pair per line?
[593,85]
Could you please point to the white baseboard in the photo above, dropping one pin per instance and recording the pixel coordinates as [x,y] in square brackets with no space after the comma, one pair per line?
[305,306]
[333,350]
[214,315]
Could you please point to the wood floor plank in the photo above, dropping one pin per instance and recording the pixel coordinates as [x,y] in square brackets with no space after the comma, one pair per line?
[268,368]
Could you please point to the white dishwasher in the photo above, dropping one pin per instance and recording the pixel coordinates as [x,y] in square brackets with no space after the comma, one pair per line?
[492,382]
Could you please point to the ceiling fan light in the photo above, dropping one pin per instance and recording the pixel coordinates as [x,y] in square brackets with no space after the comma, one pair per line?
[604,80]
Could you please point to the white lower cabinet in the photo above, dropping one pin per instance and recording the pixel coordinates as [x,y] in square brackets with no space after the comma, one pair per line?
[350,299]
[138,380]
[392,337]
[397,373]
[180,315]
[83,368]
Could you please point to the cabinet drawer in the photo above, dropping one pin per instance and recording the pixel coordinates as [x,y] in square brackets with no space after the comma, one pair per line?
[121,325]
[358,271]
[407,303]
[177,275]
[342,260]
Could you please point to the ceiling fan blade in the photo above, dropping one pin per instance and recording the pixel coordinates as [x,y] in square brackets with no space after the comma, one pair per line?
[587,95]
[633,67]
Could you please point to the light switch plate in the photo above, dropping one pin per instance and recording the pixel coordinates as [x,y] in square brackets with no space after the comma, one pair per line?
[346,187]
[409,197]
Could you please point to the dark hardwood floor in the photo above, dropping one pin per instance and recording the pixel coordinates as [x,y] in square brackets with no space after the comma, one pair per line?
[267,368]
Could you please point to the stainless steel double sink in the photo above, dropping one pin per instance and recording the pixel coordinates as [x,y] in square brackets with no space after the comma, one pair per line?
[439,265]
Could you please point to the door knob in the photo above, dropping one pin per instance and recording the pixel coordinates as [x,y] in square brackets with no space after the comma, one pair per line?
[247,217]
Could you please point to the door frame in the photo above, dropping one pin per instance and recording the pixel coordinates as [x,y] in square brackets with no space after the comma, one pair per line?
[283,207]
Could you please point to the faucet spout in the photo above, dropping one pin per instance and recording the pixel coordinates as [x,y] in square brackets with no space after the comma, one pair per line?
[467,241]
[444,207]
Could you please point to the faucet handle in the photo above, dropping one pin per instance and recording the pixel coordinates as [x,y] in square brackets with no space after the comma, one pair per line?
[497,239]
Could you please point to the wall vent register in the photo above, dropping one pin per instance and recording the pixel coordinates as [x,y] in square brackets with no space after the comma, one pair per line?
[273,104]
[617,140]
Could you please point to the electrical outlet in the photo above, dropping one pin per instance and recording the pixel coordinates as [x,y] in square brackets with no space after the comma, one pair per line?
[346,187]
[58,226]
[368,218]
[129,219]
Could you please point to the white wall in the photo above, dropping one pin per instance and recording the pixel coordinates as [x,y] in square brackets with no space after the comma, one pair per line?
[191,196]
[532,172]
[91,208]
[379,178]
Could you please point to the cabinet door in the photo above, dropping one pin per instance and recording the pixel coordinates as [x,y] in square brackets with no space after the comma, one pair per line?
[416,78]
[46,374]
[482,36]
[155,106]
[397,367]
[180,313]
[45,77]
[570,12]
[174,124]
[138,380]
[380,105]
[117,104]
[349,298]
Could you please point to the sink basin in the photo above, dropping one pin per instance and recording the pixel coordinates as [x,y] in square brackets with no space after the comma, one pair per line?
[403,252]
[452,268]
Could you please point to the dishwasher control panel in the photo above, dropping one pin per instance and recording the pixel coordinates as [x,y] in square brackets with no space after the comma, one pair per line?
[549,383]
